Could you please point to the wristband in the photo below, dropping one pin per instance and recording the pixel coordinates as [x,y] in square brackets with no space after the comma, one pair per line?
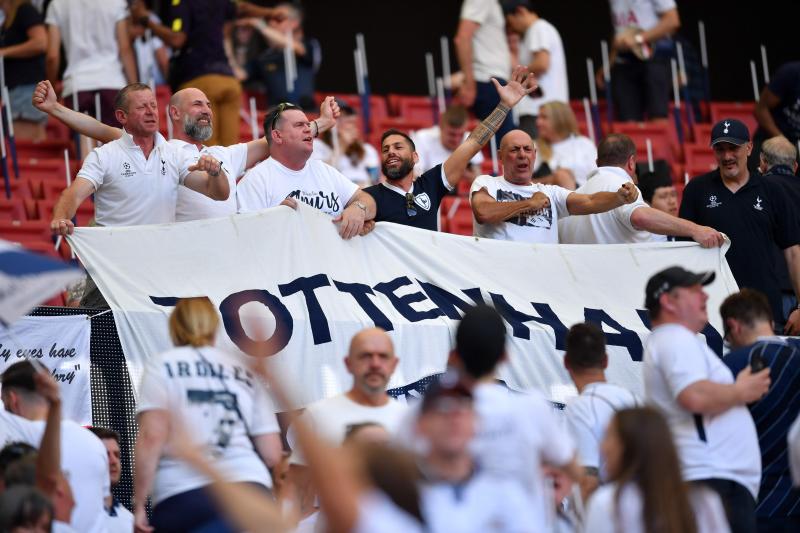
[316,129]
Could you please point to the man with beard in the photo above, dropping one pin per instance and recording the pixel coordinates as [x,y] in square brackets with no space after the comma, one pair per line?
[755,212]
[192,124]
[404,200]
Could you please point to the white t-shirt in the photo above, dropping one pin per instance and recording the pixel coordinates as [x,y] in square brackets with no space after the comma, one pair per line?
[330,418]
[641,14]
[145,50]
[588,416]
[358,172]
[378,514]
[611,227]
[576,153]
[14,428]
[431,152]
[490,54]
[539,227]
[121,522]
[719,446]
[192,205]
[132,190]
[604,515]
[84,461]
[88,33]
[180,379]
[542,36]
[318,184]
[482,503]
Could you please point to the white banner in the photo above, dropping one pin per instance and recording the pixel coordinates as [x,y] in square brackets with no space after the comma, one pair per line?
[61,343]
[293,269]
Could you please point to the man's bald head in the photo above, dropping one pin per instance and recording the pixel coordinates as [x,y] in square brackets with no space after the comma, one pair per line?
[518,154]
[515,137]
[371,360]
[190,109]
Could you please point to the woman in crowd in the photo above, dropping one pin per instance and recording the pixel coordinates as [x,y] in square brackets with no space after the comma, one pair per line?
[349,154]
[563,156]
[232,420]
[647,493]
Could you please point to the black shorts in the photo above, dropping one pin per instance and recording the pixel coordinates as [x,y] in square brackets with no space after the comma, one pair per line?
[640,89]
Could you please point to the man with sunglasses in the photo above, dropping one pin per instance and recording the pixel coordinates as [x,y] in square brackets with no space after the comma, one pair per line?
[290,175]
[404,200]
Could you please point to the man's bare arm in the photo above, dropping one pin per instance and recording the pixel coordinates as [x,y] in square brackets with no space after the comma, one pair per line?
[600,202]
[52,60]
[655,221]
[67,205]
[44,99]
[487,210]
[126,54]
[208,177]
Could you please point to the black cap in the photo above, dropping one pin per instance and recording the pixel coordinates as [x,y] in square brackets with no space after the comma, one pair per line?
[672,277]
[509,6]
[730,130]
[449,386]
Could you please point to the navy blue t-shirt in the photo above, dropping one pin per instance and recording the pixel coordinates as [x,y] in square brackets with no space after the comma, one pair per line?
[785,84]
[773,415]
[428,191]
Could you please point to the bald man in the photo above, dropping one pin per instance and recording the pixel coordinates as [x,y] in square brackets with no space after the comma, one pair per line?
[513,208]
[371,361]
[192,125]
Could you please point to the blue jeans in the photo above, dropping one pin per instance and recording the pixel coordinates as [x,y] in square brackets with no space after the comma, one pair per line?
[486,99]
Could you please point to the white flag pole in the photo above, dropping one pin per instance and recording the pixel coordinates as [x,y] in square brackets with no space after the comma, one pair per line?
[764,64]
[754,77]
[445,45]
[589,124]
[650,165]
[253,118]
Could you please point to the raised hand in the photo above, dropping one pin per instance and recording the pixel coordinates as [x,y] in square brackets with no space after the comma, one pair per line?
[44,97]
[522,83]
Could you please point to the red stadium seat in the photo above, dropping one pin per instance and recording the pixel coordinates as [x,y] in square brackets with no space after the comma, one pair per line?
[461,222]
[739,110]
[31,230]
[12,209]
[401,123]
[699,159]
[377,104]
[416,108]
[84,214]
[659,135]
[702,133]
[48,148]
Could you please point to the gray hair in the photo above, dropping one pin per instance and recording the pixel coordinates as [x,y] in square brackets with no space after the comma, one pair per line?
[778,151]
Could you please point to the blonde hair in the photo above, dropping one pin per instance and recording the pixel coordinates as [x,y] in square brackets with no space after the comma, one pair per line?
[563,124]
[193,322]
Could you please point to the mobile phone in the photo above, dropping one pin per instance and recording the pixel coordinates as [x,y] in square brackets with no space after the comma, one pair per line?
[757,363]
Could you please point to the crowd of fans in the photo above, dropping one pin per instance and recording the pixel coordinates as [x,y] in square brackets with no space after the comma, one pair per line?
[709,447]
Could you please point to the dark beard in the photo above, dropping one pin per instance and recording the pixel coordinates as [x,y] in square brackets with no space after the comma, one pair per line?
[399,172]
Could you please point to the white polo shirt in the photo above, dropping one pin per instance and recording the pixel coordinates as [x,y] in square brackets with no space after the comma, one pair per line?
[710,446]
[490,54]
[588,416]
[541,36]
[88,33]
[131,190]
[192,205]
[431,152]
[538,227]
[611,227]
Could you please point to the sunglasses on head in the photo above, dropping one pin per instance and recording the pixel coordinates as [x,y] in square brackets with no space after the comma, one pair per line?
[276,114]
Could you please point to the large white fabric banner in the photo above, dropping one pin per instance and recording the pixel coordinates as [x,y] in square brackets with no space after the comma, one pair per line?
[318,290]
[61,343]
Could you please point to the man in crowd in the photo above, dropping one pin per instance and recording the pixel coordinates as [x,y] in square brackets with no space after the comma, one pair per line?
[631,223]
[119,517]
[659,192]
[100,58]
[371,361]
[192,122]
[483,53]
[747,318]
[703,404]
[435,144]
[588,415]
[754,212]
[542,50]
[290,175]
[415,202]
[512,207]
[83,456]
[778,108]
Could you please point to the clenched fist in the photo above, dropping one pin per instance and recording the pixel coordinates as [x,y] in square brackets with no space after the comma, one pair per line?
[628,193]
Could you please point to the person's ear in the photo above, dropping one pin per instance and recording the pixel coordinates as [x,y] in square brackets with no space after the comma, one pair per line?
[121,116]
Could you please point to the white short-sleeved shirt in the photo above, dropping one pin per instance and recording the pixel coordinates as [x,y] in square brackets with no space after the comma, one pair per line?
[710,446]
[539,227]
[145,50]
[611,227]
[588,416]
[542,36]
[318,184]
[357,172]
[14,428]
[181,379]
[378,514]
[88,33]
[641,14]
[431,152]
[192,205]
[482,503]
[605,515]
[576,153]
[490,54]
[131,190]
[330,418]
[121,521]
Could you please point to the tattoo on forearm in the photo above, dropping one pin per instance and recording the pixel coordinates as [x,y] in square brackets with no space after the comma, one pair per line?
[490,124]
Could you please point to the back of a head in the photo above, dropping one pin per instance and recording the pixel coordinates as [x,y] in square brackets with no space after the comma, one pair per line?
[510,6]
[615,150]
[748,306]
[480,341]
[650,181]
[12,452]
[586,348]
[455,116]
[104,433]
[778,151]
[22,471]
[19,378]
[121,101]
[193,322]
[23,507]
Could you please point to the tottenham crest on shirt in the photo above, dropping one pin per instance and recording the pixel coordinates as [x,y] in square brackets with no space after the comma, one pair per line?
[423,200]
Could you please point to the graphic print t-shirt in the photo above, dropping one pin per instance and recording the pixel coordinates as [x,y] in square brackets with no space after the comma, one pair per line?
[538,227]
[318,184]
[218,395]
